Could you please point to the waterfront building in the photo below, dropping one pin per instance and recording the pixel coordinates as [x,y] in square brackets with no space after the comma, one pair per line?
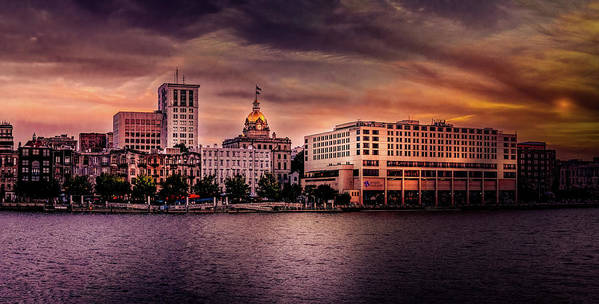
[162,165]
[7,142]
[406,163]
[137,131]
[62,141]
[224,163]
[93,142]
[92,164]
[8,162]
[8,175]
[62,164]
[579,175]
[35,161]
[178,104]
[256,134]
[536,170]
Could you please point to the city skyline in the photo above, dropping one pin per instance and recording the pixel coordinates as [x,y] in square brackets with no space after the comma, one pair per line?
[524,66]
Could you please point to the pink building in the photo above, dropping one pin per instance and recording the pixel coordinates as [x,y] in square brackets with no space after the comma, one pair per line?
[137,131]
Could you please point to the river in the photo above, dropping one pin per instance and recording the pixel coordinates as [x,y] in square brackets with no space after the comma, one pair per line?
[533,256]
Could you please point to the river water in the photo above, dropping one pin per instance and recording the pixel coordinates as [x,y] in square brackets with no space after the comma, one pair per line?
[538,256]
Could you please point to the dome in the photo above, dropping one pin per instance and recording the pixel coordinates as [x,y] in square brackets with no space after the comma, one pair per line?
[255,115]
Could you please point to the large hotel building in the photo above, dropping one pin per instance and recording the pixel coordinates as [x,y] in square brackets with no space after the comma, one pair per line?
[406,163]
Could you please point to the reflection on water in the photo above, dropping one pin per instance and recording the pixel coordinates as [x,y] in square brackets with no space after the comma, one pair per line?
[504,256]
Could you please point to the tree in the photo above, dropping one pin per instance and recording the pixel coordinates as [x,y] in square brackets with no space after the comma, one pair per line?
[182,147]
[38,189]
[309,191]
[291,192]
[174,187]
[78,185]
[207,187]
[143,186]
[108,185]
[343,199]
[268,187]
[297,164]
[324,193]
[237,189]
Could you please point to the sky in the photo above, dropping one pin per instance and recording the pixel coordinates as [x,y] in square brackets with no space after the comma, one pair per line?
[525,66]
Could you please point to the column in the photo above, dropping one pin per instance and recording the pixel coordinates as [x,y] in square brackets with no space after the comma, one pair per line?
[452,190]
[482,189]
[386,190]
[403,185]
[436,189]
[420,188]
[467,188]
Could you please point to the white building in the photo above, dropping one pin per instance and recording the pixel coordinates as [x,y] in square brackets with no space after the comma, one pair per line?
[179,105]
[228,162]
[411,164]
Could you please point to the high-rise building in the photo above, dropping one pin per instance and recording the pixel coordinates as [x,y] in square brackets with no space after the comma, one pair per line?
[536,170]
[7,143]
[179,106]
[137,131]
[256,134]
[406,163]
[92,142]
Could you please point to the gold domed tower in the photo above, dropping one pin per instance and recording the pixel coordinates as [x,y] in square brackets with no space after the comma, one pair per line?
[256,135]
[255,123]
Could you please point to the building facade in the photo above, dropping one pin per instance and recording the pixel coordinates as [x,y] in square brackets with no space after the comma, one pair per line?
[178,104]
[7,142]
[536,171]
[58,142]
[256,134]
[92,164]
[93,142]
[137,131]
[8,175]
[225,163]
[35,162]
[579,175]
[406,163]
[109,140]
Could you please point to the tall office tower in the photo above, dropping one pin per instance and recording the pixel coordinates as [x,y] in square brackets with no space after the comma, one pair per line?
[406,163]
[179,106]
[7,143]
[137,131]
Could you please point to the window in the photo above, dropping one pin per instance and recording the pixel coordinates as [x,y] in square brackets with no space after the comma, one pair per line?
[370,172]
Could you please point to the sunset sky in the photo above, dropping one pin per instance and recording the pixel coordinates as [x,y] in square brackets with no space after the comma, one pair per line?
[530,67]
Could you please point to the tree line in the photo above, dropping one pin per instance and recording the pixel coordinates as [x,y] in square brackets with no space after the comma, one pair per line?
[109,187]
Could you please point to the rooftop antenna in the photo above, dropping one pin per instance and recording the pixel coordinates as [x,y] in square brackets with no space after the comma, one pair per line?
[177,75]
[183,78]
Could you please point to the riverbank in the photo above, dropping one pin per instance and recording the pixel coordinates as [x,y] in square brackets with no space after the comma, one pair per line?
[114,208]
